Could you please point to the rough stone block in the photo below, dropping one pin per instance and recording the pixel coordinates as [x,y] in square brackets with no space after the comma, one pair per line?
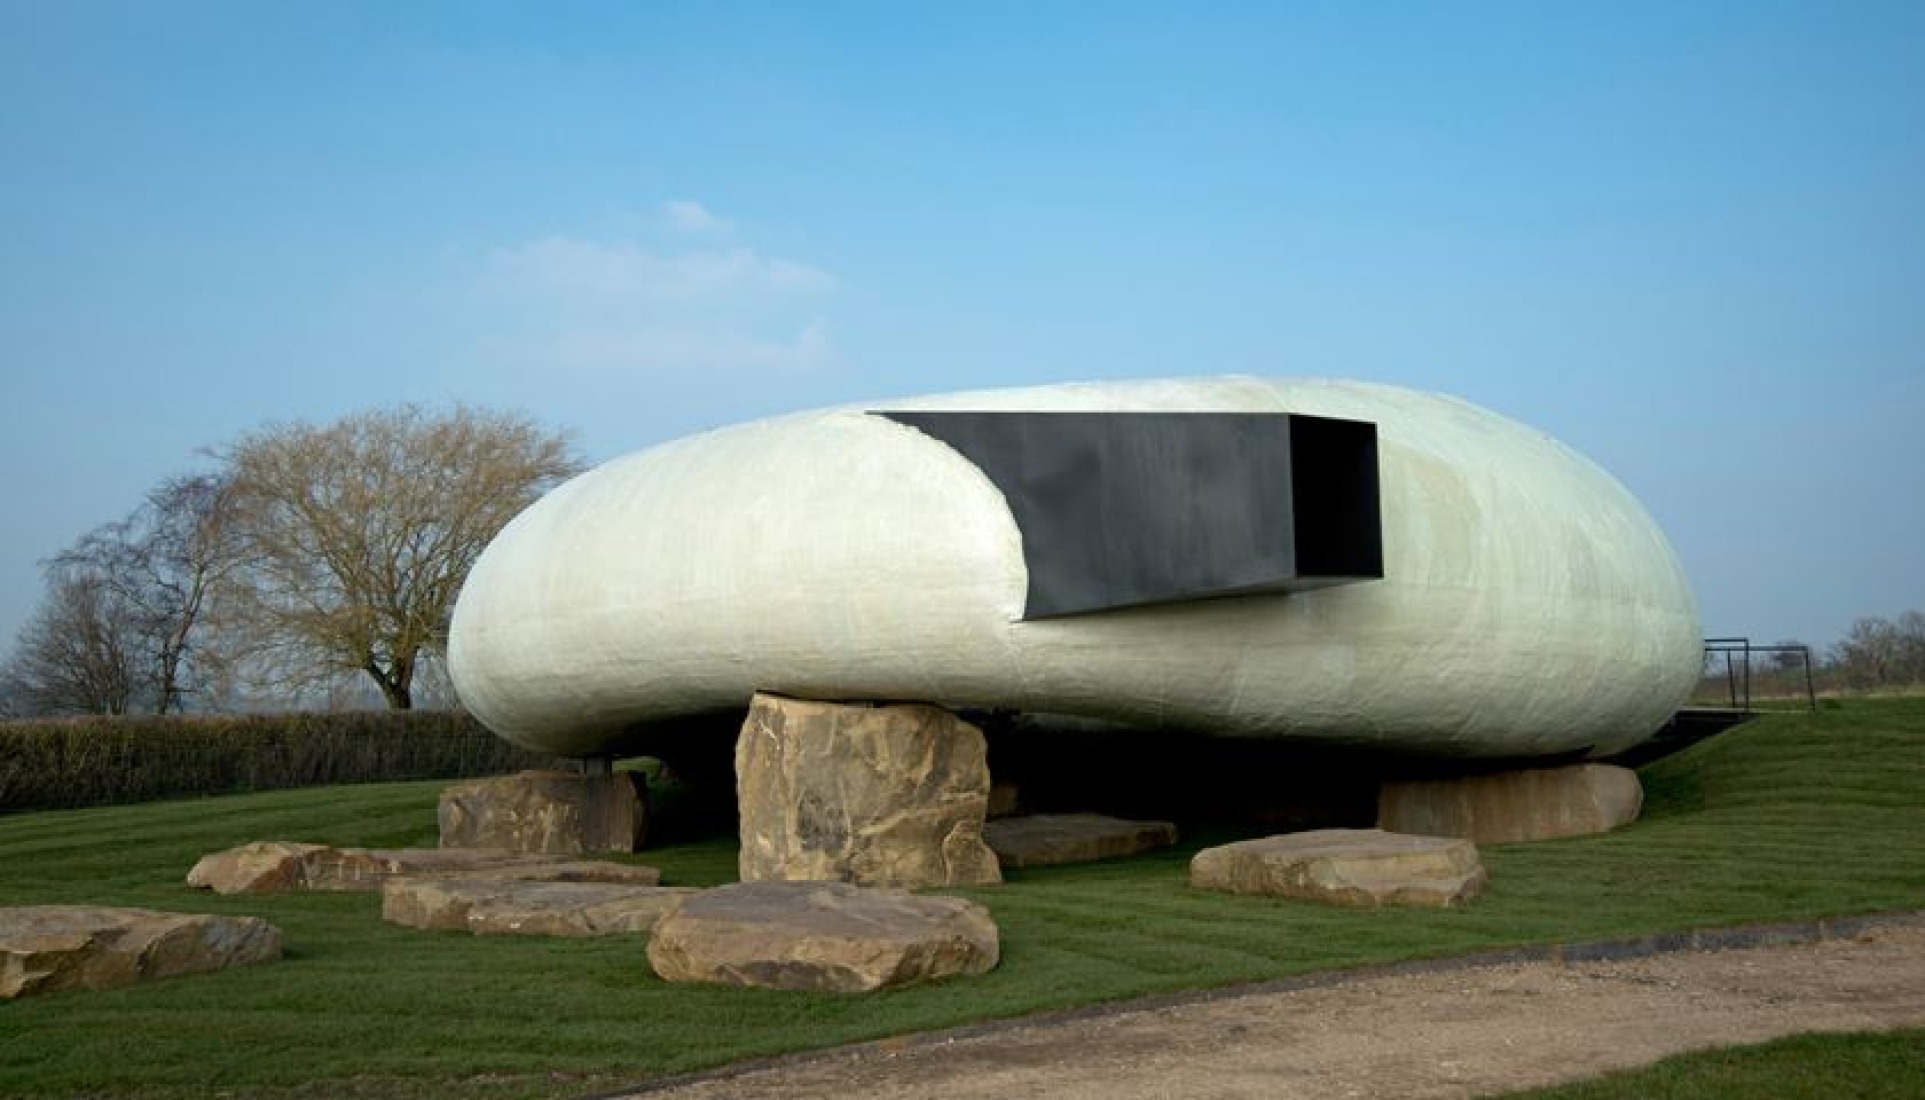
[262,867]
[891,795]
[825,936]
[547,812]
[1044,839]
[1354,867]
[48,948]
[1535,804]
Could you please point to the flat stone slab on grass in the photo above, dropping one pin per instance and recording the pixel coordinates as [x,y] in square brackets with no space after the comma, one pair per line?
[274,866]
[1505,807]
[48,948]
[1045,839]
[1355,867]
[508,907]
[825,936]
[586,871]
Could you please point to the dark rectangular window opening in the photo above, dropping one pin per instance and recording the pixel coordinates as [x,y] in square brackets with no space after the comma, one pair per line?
[1339,522]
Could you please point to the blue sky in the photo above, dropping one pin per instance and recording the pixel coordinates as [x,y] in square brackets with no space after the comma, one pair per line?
[1687,239]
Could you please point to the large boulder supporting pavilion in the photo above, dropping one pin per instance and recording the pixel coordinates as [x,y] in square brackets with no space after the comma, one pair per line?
[548,812]
[1532,804]
[883,795]
[1352,867]
[821,936]
[49,948]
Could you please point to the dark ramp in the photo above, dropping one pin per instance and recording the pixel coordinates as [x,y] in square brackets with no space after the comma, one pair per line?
[1124,509]
[1685,729]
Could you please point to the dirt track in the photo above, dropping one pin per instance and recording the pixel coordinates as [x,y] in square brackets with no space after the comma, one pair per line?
[1463,1032]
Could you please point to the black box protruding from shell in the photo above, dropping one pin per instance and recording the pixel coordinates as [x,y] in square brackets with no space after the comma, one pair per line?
[1122,509]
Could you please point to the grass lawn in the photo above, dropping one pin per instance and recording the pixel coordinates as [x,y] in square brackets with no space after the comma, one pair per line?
[1887,1066]
[1793,816]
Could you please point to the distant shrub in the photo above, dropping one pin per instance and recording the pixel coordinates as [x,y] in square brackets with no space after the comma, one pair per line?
[70,762]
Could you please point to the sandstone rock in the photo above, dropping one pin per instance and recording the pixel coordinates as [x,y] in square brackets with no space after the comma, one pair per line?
[266,867]
[263,867]
[826,936]
[574,870]
[46,948]
[1536,804]
[437,904]
[872,795]
[1359,867]
[574,909]
[1044,839]
[494,906]
[366,869]
[548,812]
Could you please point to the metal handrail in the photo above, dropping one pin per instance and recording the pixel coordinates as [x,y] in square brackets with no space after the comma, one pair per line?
[1732,648]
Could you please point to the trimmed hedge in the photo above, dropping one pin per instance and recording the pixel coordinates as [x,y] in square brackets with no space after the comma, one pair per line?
[71,762]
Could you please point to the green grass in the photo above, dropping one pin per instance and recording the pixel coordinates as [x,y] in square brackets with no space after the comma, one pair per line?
[1794,816]
[1879,1066]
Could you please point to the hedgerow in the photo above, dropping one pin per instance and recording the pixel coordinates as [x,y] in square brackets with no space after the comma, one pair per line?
[73,762]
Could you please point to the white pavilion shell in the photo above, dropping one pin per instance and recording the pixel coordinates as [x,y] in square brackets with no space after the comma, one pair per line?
[1528,605]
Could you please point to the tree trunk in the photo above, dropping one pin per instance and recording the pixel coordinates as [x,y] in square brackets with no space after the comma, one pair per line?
[174,650]
[169,680]
[396,683]
[398,697]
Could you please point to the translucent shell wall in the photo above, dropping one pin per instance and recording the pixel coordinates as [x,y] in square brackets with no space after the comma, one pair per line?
[1528,604]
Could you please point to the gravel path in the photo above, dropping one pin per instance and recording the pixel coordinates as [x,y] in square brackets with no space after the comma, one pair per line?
[1457,1033]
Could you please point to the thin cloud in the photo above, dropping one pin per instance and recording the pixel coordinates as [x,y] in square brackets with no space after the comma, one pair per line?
[693,349]
[690,216]
[616,304]
[630,273]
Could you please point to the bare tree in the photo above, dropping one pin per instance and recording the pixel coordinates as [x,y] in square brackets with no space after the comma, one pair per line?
[78,654]
[356,536]
[163,564]
[1910,659]
[1870,652]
